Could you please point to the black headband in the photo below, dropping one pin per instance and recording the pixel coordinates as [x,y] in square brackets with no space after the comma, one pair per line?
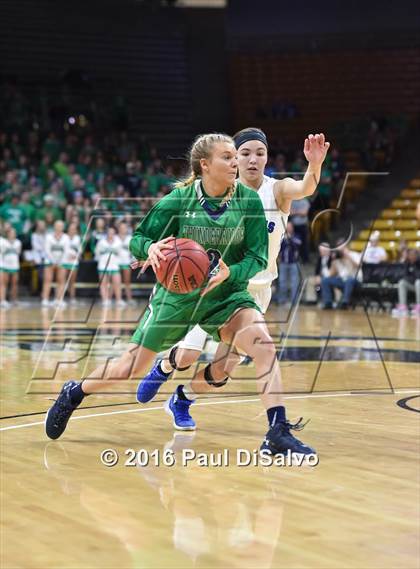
[250,134]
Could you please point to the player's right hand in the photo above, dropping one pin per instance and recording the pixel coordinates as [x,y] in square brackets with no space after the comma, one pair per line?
[155,255]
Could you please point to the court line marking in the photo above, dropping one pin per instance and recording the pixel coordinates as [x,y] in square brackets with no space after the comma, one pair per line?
[202,404]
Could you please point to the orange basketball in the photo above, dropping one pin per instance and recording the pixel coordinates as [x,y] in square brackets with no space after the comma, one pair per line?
[186,267]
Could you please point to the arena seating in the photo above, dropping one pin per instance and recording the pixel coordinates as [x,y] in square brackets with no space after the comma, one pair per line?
[395,223]
[380,284]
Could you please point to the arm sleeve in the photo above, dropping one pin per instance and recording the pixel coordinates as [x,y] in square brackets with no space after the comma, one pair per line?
[256,245]
[160,222]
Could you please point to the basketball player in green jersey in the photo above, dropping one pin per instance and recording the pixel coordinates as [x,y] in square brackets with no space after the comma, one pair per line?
[276,196]
[228,220]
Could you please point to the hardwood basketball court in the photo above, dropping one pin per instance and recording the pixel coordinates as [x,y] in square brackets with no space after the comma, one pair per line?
[356,376]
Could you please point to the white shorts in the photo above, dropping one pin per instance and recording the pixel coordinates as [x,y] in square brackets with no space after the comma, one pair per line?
[196,338]
[262,297]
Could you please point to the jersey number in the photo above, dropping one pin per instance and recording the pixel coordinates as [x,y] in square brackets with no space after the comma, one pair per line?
[214,255]
[271,226]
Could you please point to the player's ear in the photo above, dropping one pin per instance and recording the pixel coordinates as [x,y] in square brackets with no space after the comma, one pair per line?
[204,163]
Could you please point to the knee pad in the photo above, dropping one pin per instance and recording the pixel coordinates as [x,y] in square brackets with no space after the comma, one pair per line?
[210,380]
[172,360]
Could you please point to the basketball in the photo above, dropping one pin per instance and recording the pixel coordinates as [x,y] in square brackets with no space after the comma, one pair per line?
[186,267]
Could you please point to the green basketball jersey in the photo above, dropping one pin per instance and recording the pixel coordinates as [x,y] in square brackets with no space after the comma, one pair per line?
[235,230]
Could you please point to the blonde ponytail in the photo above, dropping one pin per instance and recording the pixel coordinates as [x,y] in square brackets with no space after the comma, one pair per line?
[184,182]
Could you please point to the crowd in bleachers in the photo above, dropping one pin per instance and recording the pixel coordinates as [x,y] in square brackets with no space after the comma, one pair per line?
[70,187]
[70,194]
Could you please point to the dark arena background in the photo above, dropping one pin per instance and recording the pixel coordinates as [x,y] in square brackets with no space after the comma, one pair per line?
[99,105]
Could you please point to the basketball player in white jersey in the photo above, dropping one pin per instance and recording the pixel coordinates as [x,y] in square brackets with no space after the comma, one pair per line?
[277,196]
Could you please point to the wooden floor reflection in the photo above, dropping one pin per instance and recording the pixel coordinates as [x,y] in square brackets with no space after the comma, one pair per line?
[359,508]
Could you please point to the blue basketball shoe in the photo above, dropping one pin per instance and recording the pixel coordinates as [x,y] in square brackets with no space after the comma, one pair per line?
[179,409]
[59,414]
[150,385]
[279,439]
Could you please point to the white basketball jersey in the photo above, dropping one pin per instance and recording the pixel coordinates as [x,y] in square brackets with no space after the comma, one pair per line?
[276,227]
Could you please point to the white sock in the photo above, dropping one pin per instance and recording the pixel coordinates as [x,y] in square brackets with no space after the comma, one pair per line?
[165,366]
[189,392]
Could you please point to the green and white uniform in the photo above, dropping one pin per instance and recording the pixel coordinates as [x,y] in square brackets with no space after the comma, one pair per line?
[72,254]
[125,255]
[56,248]
[259,285]
[235,231]
[107,254]
[9,252]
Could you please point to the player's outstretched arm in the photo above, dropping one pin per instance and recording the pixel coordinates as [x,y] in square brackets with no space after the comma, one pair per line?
[315,149]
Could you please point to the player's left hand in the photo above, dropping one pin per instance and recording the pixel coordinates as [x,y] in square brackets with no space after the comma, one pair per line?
[222,275]
[315,149]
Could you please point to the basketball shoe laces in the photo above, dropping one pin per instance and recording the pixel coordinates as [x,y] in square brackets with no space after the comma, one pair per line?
[65,407]
[285,427]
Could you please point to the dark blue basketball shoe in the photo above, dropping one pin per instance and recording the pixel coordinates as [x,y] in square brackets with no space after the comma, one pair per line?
[279,439]
[59,414]
[179,409]
[150,385]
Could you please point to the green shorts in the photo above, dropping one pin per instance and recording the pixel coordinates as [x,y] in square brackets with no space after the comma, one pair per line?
[109,272]
[123,267]
[69,267]
[169,317]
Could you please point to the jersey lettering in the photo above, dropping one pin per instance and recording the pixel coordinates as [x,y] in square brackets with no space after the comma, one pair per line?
[271,225]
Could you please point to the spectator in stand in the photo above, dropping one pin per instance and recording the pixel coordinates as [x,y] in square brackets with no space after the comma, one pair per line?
[337,168]
[98,233]
[54,212]
[125,260]
[410,282]
[51,146]
[56,246]
[298,166]
[402,251]
[11,248]
[14,213]
[49,222]
[30,211]
[323,266]
[324,190]
[132,180]
[107,255]
[126,149]
[71,260]
[289,276]
[345,273]
[38,248]
[374,252]
[299,217]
